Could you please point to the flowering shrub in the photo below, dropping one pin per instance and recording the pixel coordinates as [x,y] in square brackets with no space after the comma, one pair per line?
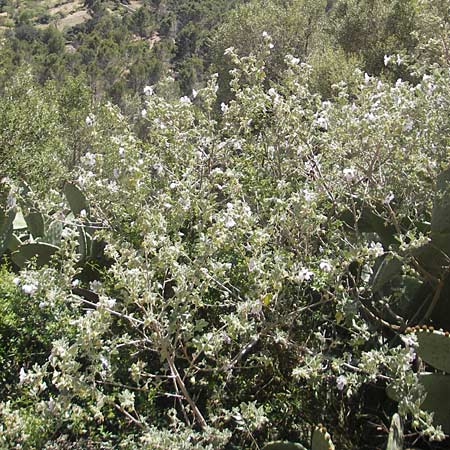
[238,299]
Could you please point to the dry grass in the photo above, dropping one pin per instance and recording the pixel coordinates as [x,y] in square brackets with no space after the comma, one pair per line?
[73,19]
[66,8]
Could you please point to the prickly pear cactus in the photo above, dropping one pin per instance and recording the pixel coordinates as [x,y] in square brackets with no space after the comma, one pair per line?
[7,215]
[76,199]
[433,347]
[35,223]
[41,252]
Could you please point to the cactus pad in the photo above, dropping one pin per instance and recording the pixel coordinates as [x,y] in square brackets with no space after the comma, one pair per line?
[39,250]
[434,348]
[76,199]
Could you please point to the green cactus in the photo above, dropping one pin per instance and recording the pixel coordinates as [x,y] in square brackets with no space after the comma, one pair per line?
[395,440]
[13,242]
[437,388]
[54,232]
[35,224]
[433,255]
[434,349]
[85,243]
[76,199]
[6,227]
[40,251]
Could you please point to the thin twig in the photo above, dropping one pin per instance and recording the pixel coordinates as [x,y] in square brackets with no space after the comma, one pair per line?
[198,415]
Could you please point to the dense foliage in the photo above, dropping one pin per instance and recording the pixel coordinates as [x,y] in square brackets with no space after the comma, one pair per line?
[235,265]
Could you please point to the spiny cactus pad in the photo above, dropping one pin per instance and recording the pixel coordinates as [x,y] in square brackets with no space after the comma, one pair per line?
[76,198]
[39,250]
[35,223]
[437,388]
[434,347]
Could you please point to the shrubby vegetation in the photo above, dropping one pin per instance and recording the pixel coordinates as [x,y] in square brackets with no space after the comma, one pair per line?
[239,264]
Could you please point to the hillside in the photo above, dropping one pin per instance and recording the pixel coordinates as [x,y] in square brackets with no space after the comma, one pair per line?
[61,14]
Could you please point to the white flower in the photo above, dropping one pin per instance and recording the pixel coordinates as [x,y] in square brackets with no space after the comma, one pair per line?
[271,45]
[16,281]
[309,195]
[322,123]
[104,361]
[265,34]
[95,285]
[229,51]
[386,59]
[376,249]
[349,174]
[408,125]
[399,60]
[292,60]
[121,151]
[325,266]
[272,92]
[29,288]
[230,223]
[194,93]
[144,113]
[90,118]
[22,376]
[158,168]
[83,213]
[148,90]
[185,99]
[304,274]
[251,265]
[223,107]
[388,199]
[90,159]
[75,282]
[51,405]
[341,382]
